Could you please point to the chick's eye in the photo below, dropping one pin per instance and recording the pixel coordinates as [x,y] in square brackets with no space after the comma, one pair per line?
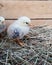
[26,22]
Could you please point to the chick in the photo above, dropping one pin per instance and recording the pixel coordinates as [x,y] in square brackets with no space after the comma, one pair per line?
[19,29]
[2,26]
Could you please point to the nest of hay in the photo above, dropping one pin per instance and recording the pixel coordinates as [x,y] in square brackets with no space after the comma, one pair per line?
[37,52]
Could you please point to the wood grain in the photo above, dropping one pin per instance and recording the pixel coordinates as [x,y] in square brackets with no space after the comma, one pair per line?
[34,22]
[26,0]
[32,9]
[39,11]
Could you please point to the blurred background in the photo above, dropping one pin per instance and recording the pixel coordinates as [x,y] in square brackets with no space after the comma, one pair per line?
[40,12]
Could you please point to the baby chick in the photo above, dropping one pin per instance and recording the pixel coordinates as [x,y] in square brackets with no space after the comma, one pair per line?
[2,26]
[19,29]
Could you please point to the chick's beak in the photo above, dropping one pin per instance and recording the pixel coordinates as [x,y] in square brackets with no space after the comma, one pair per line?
[30,24]
[1,23]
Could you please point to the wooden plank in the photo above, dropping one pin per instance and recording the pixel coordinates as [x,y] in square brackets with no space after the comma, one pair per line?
[26,0]
[32,9]
[34,22]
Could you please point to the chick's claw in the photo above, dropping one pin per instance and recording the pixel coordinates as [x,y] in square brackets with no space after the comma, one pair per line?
[20,42]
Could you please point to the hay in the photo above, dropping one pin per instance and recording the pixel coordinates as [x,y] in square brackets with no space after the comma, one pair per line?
[37,52]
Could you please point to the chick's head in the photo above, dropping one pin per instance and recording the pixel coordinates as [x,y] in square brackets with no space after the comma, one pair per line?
[24,20]
[2,19]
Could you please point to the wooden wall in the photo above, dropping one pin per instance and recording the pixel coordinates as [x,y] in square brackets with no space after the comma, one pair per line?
[39,11]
